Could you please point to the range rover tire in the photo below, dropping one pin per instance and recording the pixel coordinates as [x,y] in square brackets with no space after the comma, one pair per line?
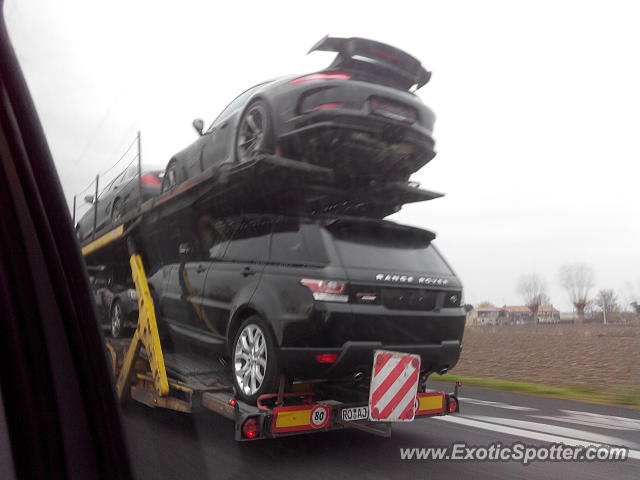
[254,362]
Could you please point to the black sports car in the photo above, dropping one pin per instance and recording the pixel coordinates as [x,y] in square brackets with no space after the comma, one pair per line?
[359,116]
[119,197]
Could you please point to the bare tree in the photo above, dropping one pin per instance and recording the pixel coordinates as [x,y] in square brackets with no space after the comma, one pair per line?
[577,280]
[486,304]
[545,300]
[607,301]
[532,289]
[633,298]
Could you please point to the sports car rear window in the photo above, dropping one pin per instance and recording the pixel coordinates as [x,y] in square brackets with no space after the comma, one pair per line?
[387,247]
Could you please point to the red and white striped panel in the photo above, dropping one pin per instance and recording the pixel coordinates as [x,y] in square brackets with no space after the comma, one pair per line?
[394,385]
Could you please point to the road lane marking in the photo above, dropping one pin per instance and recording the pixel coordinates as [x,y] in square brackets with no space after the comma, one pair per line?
[552,429]
[489,403]
[587,423]
[544,437]
[603,421]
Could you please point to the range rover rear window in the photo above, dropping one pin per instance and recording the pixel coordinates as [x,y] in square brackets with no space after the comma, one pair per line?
[387,247]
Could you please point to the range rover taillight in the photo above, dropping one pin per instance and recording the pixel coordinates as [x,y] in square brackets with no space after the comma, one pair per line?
[327,290]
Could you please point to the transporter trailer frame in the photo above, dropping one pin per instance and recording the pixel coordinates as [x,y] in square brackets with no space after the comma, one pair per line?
[189,382]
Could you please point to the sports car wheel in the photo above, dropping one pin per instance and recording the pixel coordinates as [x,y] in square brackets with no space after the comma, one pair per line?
[254,133]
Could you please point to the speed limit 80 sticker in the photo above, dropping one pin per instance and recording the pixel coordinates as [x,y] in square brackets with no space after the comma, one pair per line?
[320,415]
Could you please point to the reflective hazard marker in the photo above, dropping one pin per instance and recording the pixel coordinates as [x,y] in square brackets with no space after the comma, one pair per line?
[299,418]
[430,403]
[394,385]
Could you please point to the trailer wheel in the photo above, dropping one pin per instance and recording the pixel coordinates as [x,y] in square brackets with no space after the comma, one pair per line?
[254,360]
[116,320]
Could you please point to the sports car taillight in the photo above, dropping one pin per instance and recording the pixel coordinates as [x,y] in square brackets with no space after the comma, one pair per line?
[322,76]
[149,179]
[326,106]
[327,290]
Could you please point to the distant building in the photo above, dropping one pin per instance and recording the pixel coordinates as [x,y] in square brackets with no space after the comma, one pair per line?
[516,315]
[472,317]
[521,315]
[548,314]
[488,315]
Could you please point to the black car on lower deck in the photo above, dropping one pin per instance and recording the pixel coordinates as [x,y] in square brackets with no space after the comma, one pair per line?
[309,298]
[359,116]
[116,302]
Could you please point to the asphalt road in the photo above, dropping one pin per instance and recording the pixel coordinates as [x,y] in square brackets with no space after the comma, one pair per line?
[168,445]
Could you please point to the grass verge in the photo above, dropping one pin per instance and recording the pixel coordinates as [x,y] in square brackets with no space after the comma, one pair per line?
[628,396]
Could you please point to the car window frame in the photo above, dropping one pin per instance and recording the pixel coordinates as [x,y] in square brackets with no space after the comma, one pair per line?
[226,112]
[226,236]
[247,224]
[313,257]
[110,186]
[131,172]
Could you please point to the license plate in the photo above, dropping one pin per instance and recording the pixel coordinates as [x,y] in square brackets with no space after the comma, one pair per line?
[393,110]
[354,413]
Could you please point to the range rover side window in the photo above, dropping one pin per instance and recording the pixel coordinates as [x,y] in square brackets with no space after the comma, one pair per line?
[214,237]
[293,244]
[250,243]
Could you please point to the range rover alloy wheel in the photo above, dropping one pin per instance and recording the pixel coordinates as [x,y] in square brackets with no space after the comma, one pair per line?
[254,361]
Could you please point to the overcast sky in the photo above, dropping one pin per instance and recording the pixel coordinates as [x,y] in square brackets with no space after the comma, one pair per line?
[537,105]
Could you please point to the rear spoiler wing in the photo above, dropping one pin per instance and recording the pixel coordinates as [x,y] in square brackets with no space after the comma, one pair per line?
[380,55]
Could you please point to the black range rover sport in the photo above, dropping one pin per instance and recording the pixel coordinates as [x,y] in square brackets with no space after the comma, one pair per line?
[309,298]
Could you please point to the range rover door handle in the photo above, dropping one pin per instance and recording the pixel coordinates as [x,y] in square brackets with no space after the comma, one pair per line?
[246,271]
[200,269]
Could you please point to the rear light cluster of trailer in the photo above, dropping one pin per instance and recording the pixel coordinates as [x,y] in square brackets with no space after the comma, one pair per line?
[251,428]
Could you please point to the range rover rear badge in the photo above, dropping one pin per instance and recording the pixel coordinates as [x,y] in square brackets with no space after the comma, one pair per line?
[366,296]
[392,277]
